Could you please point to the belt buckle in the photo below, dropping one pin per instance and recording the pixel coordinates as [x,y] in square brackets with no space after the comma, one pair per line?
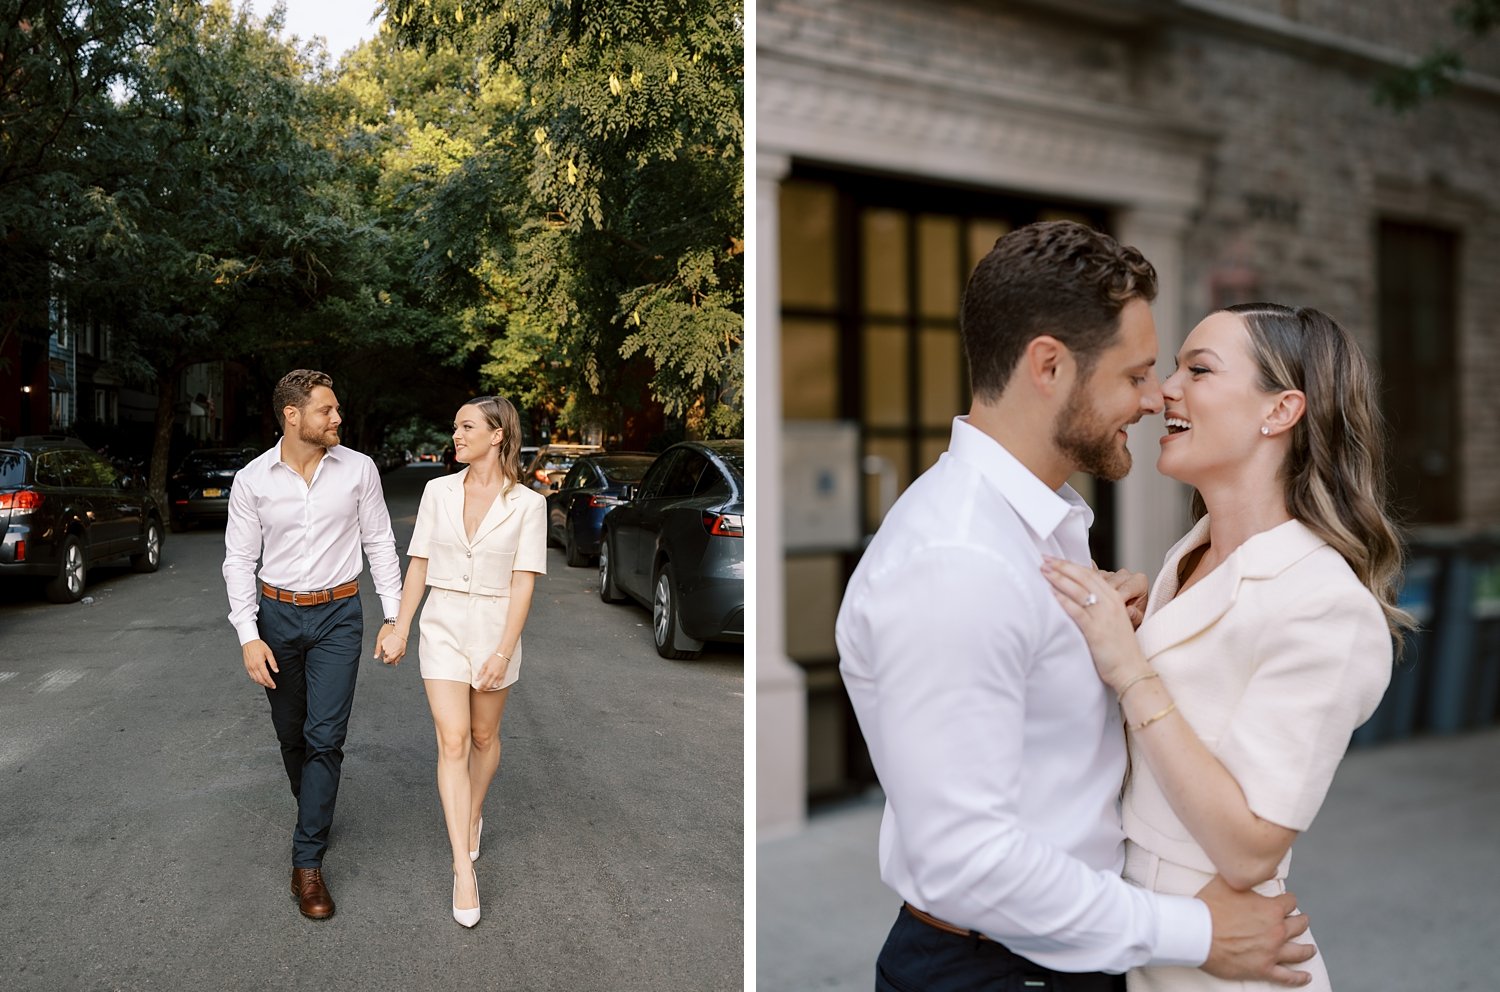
[312,599]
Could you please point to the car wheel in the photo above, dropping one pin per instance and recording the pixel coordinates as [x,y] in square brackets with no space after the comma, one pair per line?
[150,557]
[609,591]
[72,569]
[576,559]
[666,625]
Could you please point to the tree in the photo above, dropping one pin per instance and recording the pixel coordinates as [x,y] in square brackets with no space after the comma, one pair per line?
[58,61]
[225,211]
[603,220]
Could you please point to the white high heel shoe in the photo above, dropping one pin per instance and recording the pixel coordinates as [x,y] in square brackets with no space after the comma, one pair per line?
[474,854]
[466,917]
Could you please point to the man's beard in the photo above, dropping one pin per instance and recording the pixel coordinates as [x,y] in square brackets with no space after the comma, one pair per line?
[320,438]
[1083,436]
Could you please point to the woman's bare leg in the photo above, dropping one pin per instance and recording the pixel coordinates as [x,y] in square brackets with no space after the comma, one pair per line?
[485,711]
[450,718]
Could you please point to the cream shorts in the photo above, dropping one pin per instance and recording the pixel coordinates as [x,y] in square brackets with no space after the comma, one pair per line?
[459,631]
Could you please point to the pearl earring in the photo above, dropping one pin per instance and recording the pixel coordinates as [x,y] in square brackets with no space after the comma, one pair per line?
[1265,430]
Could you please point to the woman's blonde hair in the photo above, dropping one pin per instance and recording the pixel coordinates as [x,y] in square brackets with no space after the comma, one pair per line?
[1334,476]
[500,413]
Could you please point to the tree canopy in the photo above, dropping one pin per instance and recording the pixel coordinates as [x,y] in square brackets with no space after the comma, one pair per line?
[599,230]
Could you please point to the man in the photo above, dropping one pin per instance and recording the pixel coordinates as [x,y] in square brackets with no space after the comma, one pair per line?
[999,749]
[304,508]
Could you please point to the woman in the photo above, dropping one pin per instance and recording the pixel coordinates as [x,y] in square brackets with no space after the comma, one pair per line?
[1268,635]
[480,541]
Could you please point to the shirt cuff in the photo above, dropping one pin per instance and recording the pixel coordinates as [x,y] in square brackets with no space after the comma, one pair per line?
[248,632]
[1184,931]
[391,605]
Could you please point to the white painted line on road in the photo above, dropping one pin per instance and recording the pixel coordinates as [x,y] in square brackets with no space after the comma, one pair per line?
[7,676]
[58,680]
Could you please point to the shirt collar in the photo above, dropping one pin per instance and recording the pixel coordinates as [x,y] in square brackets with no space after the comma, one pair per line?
[1040,508]
[336,452]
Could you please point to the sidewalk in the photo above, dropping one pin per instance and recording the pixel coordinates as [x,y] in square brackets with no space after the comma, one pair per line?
[1400,874]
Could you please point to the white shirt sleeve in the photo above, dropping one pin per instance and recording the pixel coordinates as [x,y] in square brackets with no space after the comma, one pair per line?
[378,540]
[242,548]
[948,642]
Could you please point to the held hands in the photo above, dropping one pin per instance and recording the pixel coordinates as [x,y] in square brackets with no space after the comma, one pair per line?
[258,657]
[1253,936]
[1106,606]
[390,647]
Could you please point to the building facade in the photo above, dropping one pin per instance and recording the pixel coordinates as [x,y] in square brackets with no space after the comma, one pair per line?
[1237,143]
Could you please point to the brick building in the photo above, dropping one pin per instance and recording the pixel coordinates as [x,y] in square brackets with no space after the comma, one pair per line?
[1236,142]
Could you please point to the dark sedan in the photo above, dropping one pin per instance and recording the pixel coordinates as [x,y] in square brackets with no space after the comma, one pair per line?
[594,485]
[199,489]
[64,509]
[678,546]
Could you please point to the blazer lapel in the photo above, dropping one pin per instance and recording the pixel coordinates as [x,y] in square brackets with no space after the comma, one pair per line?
[499,511]
[1184,615]
[453,505]
[1188,613]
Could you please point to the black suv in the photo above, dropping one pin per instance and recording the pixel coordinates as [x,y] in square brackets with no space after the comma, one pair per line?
[64,509]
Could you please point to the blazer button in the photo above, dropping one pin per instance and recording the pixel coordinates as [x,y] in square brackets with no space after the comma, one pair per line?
[468,554]
[466,578]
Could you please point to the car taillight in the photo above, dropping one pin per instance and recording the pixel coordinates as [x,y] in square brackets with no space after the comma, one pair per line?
[20,551]
[725,524]
[26,499]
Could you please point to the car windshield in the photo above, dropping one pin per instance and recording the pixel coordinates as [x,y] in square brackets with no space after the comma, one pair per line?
[12,468]
[625,469]
[213,460]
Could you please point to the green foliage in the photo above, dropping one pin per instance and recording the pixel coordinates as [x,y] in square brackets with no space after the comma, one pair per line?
[612,193]
[1435,73]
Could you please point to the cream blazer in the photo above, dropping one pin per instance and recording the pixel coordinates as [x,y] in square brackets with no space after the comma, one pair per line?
[512,536]
[1274,658]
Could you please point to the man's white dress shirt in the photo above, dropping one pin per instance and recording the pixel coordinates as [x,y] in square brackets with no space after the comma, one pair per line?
[307,536]
[999,749]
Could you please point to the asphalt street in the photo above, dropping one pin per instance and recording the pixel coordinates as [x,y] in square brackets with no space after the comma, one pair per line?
[145,819]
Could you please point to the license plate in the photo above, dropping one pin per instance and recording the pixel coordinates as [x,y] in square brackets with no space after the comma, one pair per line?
[212,493]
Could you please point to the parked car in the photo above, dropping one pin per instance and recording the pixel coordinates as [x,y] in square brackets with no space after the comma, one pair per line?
[551,463]
[594,485]
[65,509]
[678,546]
[199,489]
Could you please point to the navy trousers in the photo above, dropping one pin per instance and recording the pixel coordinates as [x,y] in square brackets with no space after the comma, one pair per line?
[918,957]
[317,649]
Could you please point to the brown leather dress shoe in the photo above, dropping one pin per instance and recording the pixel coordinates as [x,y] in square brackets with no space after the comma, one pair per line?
[313,898]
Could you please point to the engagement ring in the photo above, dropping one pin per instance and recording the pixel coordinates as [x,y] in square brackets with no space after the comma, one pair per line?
[1090,600]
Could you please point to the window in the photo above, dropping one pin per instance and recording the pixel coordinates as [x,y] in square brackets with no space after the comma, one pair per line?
[873,270]
[579,475]
[651,485]
[1418,356]
[682,479]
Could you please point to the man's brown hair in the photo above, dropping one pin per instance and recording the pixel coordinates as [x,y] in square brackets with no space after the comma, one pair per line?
[1058,278]
[295,389]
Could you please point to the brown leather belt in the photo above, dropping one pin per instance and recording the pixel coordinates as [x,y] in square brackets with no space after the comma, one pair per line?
[942,925]
[317,598]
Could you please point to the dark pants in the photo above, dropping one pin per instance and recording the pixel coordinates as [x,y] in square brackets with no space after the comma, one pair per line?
[317,649]
[921,958]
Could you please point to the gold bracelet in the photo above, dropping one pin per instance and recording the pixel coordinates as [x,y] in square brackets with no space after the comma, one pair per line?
[1151,719]
[505,657]
[1139,678]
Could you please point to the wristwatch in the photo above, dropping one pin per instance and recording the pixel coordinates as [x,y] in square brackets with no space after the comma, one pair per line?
[390,621]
